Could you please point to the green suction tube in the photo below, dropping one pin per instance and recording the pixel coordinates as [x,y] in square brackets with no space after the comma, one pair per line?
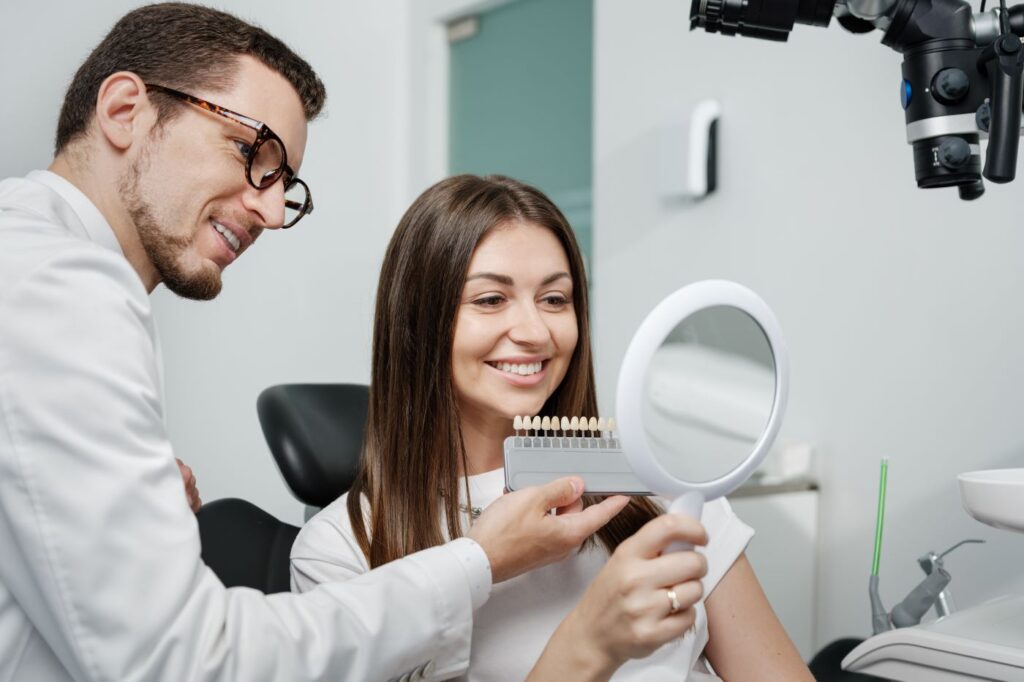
[880,517]
[879,616]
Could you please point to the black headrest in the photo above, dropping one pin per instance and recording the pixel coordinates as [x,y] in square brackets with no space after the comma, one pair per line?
[315,432]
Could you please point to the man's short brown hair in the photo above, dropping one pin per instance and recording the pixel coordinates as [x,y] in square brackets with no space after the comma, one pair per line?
[185,47]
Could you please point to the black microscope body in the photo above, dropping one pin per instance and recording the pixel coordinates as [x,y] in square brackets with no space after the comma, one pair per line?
[963,73]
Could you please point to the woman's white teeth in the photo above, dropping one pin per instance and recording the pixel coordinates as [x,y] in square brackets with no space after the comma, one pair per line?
[228,235]
[522,370]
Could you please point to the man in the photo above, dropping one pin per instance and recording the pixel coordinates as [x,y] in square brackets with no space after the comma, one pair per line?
[179,142]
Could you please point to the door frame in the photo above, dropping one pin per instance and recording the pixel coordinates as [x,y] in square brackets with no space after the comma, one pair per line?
[427,86]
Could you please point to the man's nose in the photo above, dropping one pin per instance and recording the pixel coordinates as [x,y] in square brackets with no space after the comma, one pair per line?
[267,203]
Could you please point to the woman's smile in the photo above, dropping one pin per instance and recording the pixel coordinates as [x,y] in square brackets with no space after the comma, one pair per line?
[520,372]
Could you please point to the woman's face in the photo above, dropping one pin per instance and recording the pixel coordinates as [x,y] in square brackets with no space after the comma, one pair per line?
[515,330]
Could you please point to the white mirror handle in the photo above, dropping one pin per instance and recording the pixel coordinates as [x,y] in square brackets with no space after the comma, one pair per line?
[688,504]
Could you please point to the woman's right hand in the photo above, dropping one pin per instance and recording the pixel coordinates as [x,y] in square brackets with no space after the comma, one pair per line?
[627,612]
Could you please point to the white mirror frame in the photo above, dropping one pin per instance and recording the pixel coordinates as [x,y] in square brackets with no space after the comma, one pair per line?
[648,339]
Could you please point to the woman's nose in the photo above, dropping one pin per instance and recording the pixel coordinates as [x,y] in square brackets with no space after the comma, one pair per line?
[529,327]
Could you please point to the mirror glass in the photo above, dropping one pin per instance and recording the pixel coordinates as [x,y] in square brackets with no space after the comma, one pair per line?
[708,393]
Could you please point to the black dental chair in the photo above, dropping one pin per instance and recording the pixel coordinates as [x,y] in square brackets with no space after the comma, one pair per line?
[315,432]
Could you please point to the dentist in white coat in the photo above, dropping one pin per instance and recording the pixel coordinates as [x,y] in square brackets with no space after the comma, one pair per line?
[179,142]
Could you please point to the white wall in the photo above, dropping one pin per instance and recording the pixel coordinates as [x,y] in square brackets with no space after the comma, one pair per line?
[903,308]
[298,307]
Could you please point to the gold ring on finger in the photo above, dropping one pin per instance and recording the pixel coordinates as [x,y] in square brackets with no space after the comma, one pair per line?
[674,601]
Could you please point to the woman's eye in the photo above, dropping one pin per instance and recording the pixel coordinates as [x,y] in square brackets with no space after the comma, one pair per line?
[490,301]
[244,148]
[555,300]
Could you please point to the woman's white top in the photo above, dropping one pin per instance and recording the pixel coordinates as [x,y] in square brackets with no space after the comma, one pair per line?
[512,628]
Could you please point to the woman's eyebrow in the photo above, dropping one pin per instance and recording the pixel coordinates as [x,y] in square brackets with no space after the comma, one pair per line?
[508,281]
[500,279]
[555,277]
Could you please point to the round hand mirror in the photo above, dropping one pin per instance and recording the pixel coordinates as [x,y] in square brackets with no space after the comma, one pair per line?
[701,393]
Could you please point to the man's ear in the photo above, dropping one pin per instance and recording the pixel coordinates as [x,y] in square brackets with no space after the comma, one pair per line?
[124,112]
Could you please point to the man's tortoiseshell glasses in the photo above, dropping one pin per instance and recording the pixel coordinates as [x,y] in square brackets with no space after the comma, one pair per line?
[266,160]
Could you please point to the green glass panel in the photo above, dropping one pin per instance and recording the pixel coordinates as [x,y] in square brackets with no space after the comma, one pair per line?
[521,101]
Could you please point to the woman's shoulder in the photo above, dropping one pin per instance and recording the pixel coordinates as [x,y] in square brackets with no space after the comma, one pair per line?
[719,516]
[716,516]
[728,538]
[326,548]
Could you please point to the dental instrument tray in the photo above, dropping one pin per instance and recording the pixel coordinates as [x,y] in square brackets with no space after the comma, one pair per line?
[980,643]
[983,642]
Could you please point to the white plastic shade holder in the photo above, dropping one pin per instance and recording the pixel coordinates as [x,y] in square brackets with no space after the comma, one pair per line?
[564,442]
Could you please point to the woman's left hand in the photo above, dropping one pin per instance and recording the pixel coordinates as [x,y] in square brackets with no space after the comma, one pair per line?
[640,600]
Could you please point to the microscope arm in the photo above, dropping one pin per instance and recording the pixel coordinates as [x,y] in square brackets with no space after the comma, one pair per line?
[1005,58]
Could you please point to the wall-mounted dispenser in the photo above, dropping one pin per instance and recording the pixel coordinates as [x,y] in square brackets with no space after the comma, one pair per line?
[688,154]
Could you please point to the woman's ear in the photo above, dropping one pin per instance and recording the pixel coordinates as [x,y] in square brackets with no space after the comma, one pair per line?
[124,112]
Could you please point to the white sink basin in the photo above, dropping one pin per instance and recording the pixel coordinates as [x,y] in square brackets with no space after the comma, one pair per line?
[995,497]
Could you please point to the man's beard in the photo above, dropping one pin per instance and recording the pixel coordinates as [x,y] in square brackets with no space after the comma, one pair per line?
[166,251]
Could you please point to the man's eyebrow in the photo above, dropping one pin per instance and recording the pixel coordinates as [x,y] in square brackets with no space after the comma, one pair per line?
[508,281]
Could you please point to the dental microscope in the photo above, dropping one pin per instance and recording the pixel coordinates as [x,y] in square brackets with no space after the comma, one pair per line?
[963,73]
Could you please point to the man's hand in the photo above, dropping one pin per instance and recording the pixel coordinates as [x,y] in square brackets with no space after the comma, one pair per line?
[191,491]
[627,612]
[518,533]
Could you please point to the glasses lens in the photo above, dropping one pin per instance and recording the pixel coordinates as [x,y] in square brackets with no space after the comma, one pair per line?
[296,203]
[267,163]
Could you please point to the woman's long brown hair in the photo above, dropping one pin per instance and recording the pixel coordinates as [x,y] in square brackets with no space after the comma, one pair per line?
[413,446]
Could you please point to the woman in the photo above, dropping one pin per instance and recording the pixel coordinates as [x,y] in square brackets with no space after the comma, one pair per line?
[482,315]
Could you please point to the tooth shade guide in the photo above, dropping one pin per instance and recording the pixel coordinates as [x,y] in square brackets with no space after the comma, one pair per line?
[539,450]
[559,433]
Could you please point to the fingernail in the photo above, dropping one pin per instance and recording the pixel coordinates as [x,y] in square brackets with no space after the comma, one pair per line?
[577,486]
